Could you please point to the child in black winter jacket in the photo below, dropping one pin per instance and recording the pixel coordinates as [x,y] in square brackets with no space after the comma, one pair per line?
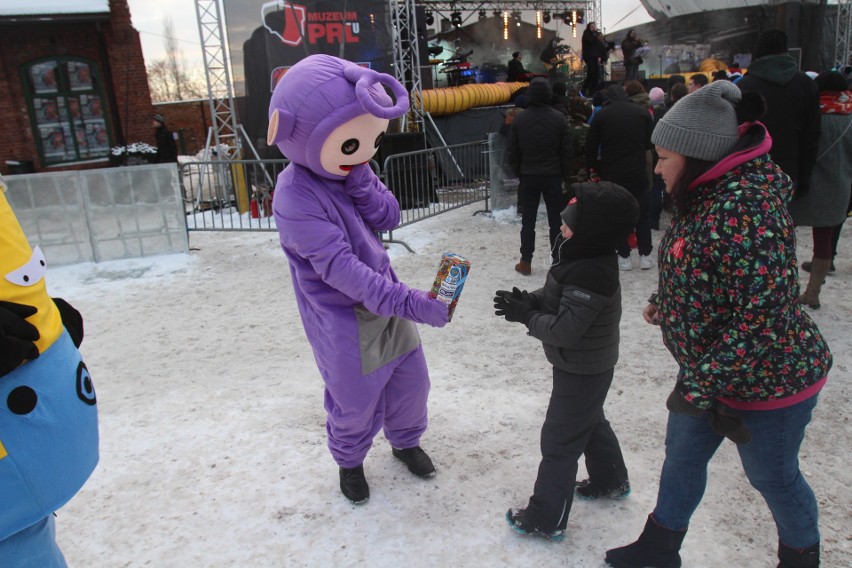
[576,316]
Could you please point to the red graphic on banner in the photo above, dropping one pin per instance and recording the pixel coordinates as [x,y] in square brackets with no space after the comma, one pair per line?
[298,24]
[294,24]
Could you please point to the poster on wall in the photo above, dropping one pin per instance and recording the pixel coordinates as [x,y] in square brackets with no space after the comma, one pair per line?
[56,142]
[49,110]
[43,77]
[79,76]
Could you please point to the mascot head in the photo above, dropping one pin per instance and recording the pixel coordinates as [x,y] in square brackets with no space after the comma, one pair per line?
[329,114]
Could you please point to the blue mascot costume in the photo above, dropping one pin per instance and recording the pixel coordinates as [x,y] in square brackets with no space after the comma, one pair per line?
[48,410]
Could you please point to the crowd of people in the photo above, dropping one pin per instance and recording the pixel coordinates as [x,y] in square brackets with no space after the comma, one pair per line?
[739,160]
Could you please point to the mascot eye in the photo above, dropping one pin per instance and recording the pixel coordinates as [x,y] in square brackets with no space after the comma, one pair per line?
[379,139]
[85,388]
[350,146]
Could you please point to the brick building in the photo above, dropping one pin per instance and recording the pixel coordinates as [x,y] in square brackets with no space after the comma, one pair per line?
[189,120]
[74,85]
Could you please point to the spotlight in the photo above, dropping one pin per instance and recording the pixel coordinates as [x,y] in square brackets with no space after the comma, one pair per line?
[516,15]
[566,18]
[456,19]
[483,15]
[430,18]
[546,17]
[497,14]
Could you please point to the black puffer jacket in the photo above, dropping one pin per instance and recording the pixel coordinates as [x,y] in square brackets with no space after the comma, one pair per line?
[540,141]
[579,307]
[792,112]
[618,138]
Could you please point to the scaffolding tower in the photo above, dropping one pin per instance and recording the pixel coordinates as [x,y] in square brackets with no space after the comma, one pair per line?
[843,35]
[225,130]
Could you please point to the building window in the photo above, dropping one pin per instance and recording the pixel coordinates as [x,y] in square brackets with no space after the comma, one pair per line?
[67,110]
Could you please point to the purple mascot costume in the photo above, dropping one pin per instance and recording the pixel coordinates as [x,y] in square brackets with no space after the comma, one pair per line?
[328,117]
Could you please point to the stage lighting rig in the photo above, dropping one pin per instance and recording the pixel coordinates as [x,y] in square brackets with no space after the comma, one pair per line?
[430,18]
[546,17]
[516,17]
[456,19]
[483,15]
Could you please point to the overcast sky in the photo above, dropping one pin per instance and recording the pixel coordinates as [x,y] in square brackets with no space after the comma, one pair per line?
[148,17]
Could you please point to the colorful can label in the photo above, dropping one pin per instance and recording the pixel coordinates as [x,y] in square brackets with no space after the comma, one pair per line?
[452,274]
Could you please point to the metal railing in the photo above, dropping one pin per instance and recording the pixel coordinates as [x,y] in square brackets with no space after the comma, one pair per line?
[237,195]
[229,195]
[430,182]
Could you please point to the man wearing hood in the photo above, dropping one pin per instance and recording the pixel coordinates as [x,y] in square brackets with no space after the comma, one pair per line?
[541,154]
[618,139]
[792,106]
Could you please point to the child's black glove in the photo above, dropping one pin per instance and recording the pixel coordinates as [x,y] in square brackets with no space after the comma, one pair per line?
[723,420]
[71,319]
[17,336]
[514,306]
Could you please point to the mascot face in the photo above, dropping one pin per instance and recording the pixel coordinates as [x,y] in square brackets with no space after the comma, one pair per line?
[22,271]
[328,114]
[352,143]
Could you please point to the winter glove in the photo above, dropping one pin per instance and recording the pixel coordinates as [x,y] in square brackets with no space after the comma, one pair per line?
[521,295]
[423,308]
[71,319]
[676,403]
[512,305]
[729,424]
[723,420]
[17,336]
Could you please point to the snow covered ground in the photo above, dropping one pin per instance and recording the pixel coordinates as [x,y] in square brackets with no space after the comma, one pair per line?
[212,427]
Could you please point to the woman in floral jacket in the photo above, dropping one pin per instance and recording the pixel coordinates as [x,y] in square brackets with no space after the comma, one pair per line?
[751,360]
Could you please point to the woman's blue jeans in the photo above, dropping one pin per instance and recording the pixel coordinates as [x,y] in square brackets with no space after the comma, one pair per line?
[770,461]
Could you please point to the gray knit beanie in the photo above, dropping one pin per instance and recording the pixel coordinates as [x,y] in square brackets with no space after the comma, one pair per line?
[702,124]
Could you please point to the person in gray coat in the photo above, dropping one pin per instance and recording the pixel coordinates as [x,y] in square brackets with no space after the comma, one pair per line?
[825,206]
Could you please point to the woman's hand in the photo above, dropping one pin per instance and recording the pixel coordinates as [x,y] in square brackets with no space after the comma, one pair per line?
[651,314]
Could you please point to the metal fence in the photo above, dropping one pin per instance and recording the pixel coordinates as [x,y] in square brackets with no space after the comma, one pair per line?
[238,195]
[229,196]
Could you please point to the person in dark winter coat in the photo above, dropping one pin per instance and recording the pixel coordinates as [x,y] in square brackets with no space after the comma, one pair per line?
[515,68]
[629,45]
[616,150]
[792,107]
[541,154]
[751,361]
[824,207]
[576,316]
[166,147]
[595,52]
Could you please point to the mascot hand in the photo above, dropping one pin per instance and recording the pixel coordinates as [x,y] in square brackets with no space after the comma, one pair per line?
[17,336]
[359,182]
[424,308]
[71,319]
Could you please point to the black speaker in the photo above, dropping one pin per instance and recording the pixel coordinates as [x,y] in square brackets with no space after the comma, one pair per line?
[409,178]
